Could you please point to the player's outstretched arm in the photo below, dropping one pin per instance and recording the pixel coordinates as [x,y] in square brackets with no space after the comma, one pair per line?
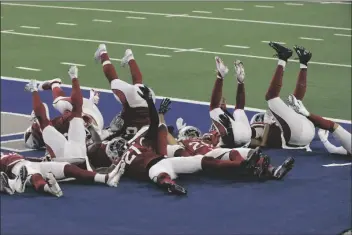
[163,109]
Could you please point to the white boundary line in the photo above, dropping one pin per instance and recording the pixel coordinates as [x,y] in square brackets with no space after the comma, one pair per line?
[136,17]
[157,55]
[313,39]
[27,68]
[158,97]
[165,48]
[178,15]
[68,63]
[104,21]
[233,9]
[29,27]
[264,6]
[235,46]
[202,12]
[64,23]
[293,4]
[11,134]
[343,35]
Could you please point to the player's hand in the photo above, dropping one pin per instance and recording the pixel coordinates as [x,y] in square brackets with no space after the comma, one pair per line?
[323,135]
[145,94]
[73,71]
[180,124]
[94,96]
[165,106]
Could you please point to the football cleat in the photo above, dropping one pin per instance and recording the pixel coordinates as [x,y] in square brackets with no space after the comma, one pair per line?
[282,170]
[173,188]
[19,184]
[54,187]
[73,71]
[127,57]
[262,167]
[283,53]
[304,55]
[31,86]
[239,70]
[221,68]
[115,175]
[252,158]
[43,86]
[101,50]
[323,135]
[297,105]
[4,184]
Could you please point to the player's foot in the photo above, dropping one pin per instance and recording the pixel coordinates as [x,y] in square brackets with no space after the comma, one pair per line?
[47,84]
[73,71]
[304,55]
[31,86]
[252,158]
[101,50]
[239,71]
[283,53]
[54,187]
[94,96]
[262,167]
[323,135]
[173,188]
[19,184]
[127,57]
[297,105]
[115,175]
[221,68]
[284,168]
[4,184]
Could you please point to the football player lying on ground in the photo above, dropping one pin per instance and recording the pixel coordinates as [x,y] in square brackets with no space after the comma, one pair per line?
[145,158]
[33,136]
[134,113]
[43,175]
[234,129]
[190,142]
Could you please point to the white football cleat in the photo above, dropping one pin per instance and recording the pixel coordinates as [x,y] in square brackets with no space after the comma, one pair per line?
[31,86]
[221,67]
[4,184]
[101,50]
[239,70]
[115,175]
[297,105]
[54,187]
[19,184]
[47,84]
[323,135]
[94,96]
[73,71]
[127,57]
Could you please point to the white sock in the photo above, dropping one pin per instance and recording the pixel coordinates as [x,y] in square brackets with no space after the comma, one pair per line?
[344,137]
[55,85]
[100,178]
[106,62]
[282,63]
[302,66]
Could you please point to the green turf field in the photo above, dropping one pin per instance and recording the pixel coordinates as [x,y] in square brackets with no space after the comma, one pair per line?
[170,29]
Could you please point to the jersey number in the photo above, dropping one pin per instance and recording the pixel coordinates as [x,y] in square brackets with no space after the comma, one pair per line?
[128,157]
[194,145]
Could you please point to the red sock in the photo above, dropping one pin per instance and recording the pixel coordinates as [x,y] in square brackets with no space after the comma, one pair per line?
[161,145]
[240,96]
[301,85]
[275,84]
[322,123]
[57,92]
[216,94]
[76,98]
[73,171]
[38,182]
[212,165]
[108,68]
[136,73]
[236,156]
[163,178]
[39,110]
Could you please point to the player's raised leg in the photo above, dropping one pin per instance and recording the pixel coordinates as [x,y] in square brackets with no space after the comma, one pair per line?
[304,57]
[101,55]
[134,69]
[216,95]
[54,85]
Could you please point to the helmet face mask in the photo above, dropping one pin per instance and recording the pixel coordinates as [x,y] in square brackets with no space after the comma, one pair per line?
[116,148]
[189,132]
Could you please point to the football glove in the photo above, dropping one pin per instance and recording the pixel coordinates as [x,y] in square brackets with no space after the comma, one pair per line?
[164,106]
[180,124]
[145,93]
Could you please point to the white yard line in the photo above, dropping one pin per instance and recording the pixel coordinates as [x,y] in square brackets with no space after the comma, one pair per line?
[189,50]
[233,9]
[135,17]
[29,27]
[202,12]
[158,97]
[11,134]
[170,14]
[338,164]
[293,4]
[342,35]
[283,43]
[68,24]
[166,48]
[115,59]
[104,21]
[69,63]
[312,39]
[7,30]
[176,15]
[157,55]
[264,6]
[236,46]
[29,69]
[347,3]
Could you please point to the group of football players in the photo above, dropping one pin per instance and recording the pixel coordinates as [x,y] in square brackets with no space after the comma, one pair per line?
[139,145]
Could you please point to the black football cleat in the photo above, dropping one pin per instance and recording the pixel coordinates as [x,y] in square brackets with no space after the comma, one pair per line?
[252,158]
[261,169]
[173,188]
[284,168]
[283,53]
[304,55]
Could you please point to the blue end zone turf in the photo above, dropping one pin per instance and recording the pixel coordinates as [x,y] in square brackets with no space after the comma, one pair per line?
[312,199]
